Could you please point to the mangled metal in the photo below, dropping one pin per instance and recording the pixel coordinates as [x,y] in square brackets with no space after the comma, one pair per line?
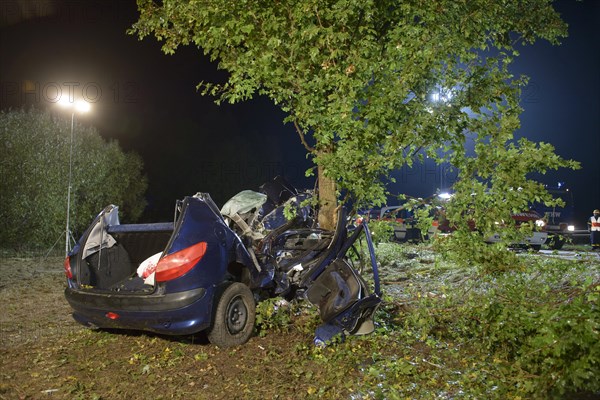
[205,264]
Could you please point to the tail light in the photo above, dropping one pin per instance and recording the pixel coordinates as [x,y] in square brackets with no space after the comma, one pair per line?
[179,263]
[112,315]
[67,266]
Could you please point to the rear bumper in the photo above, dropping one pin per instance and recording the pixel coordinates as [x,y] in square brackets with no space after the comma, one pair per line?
[84,299]
[179,313]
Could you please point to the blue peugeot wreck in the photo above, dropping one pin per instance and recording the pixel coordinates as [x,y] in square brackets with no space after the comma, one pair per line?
[206,270]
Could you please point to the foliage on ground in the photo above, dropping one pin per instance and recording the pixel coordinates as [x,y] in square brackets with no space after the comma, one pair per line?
[34,164]
[530,331]
[444,331]
[381,231]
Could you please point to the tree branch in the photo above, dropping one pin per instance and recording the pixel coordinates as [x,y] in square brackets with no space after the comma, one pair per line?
[309,148]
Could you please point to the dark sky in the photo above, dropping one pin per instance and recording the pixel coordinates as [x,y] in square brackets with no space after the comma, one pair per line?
[148,101]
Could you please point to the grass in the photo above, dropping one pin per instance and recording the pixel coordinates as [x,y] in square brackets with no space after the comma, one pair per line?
[442,332]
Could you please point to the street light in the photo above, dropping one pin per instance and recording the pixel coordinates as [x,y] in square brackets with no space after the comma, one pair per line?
[81,107]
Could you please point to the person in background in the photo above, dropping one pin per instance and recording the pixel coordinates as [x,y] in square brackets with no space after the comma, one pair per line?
[594,224]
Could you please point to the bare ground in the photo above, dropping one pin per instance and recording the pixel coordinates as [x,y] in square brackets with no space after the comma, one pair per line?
[44,354]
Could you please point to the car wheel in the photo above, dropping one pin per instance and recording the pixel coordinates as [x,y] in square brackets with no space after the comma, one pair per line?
[233,316]
[556,242]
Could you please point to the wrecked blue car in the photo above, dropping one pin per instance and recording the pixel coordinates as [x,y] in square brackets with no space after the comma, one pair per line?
[206,270]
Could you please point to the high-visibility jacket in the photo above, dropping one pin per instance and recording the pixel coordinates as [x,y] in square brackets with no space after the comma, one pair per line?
[595,222]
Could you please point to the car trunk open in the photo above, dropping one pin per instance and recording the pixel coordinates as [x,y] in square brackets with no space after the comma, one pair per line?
[111,252]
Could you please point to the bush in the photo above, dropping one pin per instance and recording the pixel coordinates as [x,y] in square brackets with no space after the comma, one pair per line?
[34,160]
[534,330]
[469,249]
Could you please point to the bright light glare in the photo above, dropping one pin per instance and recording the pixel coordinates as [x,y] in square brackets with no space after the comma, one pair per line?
[64,101]
[571,228]
[444,196]
[540,223]
[82,106]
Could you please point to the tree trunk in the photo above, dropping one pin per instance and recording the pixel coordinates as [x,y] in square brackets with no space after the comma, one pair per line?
[327,201]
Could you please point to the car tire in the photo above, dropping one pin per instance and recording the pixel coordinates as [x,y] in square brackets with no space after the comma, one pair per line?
[233,316]
[556,242]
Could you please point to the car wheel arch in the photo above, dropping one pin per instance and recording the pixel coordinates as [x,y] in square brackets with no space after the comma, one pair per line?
[239,272]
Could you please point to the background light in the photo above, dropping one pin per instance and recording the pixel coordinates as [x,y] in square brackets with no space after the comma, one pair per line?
[82,106]
[64,101]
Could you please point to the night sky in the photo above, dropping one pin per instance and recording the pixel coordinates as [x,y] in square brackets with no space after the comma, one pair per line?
[148,102]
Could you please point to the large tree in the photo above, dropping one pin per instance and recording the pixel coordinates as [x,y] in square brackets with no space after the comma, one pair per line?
[34,164]
[356,79]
